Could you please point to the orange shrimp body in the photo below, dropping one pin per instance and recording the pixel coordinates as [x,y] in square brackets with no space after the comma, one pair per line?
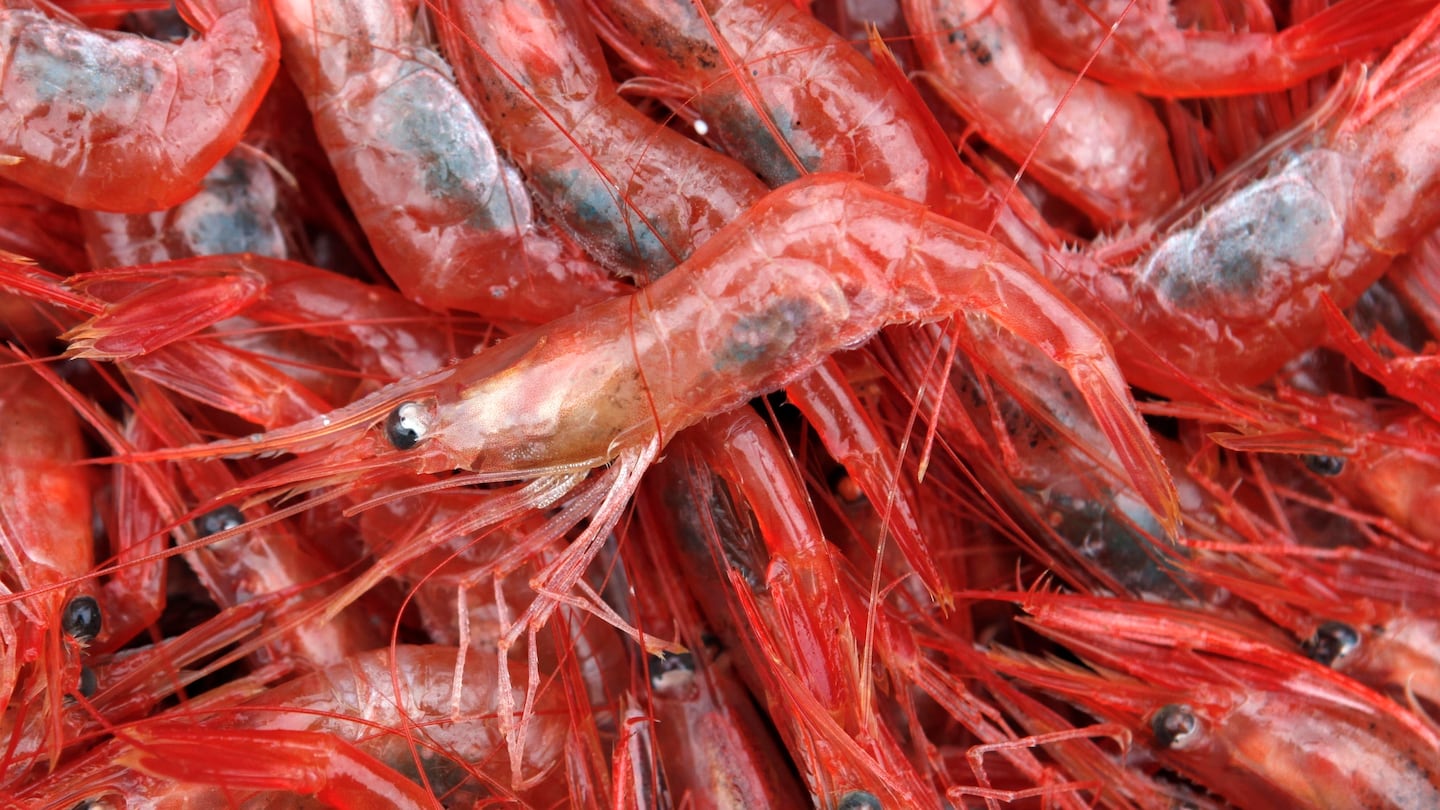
[117,122]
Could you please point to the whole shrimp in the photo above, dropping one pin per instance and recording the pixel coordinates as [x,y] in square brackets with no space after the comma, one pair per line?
[1142,46]
[619,379]
[117,122]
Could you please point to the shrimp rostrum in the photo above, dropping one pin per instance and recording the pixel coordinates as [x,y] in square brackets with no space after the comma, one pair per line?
[815,267]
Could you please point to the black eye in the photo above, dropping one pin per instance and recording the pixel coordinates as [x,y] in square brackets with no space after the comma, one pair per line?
[1175,726]
[406,425]
[220,520]
[859,800]
[1328,466]
[1332,642]
[81,619]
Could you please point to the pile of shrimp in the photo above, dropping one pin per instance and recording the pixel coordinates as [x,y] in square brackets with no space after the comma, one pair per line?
[908,404]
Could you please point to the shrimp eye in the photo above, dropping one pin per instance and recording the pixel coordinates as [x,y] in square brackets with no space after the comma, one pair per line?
[1328,466]
[1175,726]
[406,425]
[859,800]
[1332,642]
[219,520]
[81,619]
[671,673]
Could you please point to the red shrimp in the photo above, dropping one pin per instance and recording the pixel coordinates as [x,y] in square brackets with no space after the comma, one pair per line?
[754,72]
[340,732]
[235,210]
[638,196]
[1263,727]
[47,546]
[1233,296]
[1141,46]
[1100,149]
[387,112]
[118,122]
[40,228]
[607,383]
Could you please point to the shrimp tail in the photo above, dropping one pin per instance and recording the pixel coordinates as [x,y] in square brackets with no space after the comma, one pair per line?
[1351,30]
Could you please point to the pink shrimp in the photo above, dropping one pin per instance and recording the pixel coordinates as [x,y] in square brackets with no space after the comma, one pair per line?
[638,196]
[1222,706]
[465,236]
[1141,46]
[1102,150]
[608,382]
[117,122]
[365,712]
[47,545]
[1238,292]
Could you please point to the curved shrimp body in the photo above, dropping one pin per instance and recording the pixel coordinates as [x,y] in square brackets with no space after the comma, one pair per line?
[637,195]
[817,266]
[116,122]
[387,111]
[1102,150]
[1236,295]
[1149,51]
[1274,730]
[756,71]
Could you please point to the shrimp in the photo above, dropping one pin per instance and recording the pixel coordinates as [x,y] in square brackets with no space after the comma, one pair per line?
[366,711]
[638,196]
[1100,149]
[608,383]
[117,122]
[1236,294]
[753,72]
[1273,730]
[387,111]
[1143,48]
[47,547]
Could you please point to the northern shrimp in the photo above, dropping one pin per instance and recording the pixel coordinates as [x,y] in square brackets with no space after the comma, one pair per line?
[1235,294]
[47,545]
[388,111]
[1145,48]
[370,712]
[119,122]
[1101,149]
[1274,729]
[628,391]
[637,195]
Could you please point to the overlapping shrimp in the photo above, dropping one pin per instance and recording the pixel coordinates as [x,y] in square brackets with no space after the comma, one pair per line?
[1233,296]
[1143,47]
[388,111]
[1101,149]
[1221,705]
[119,122]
